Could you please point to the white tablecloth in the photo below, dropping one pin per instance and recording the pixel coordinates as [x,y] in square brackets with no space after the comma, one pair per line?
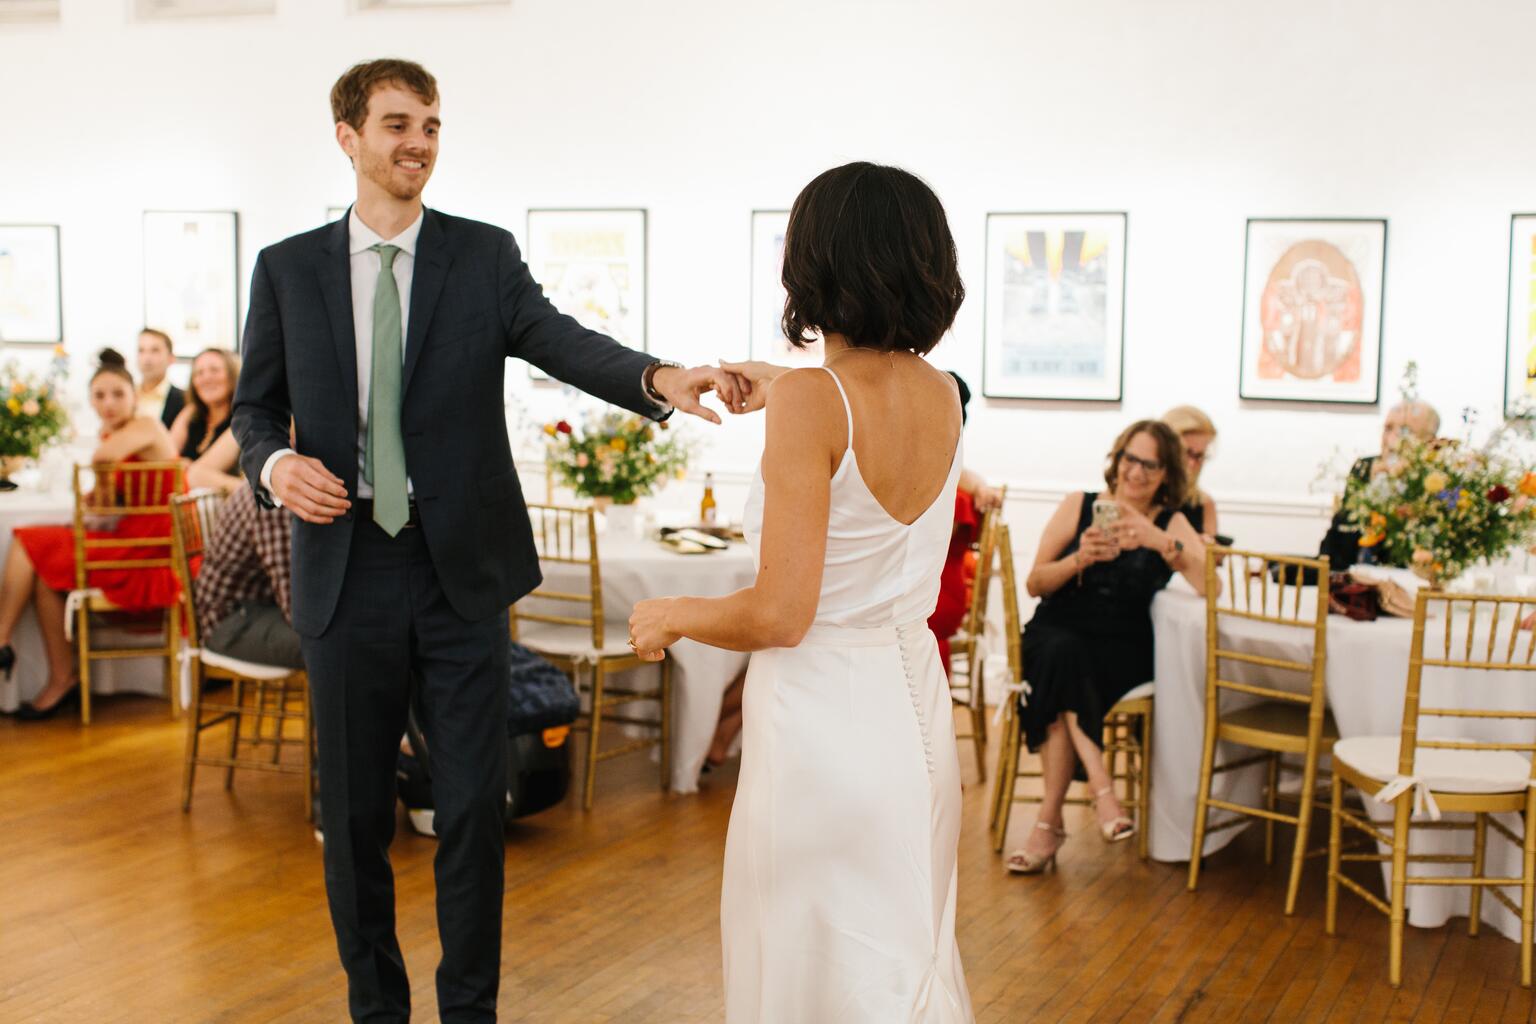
[633,570]
[1366,675]
[26,507]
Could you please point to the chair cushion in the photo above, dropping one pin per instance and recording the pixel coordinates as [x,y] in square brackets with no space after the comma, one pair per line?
[1139,692]
[572,641]
[1444,771]
[245,669]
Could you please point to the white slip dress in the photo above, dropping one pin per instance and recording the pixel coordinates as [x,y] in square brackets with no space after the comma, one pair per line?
[838,902]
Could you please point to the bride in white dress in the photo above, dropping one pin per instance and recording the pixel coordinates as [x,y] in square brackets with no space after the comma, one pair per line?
[838,904]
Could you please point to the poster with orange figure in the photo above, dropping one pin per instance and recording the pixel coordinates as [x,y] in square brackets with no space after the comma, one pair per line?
[1055,306]
[1520,340]
[1312,295]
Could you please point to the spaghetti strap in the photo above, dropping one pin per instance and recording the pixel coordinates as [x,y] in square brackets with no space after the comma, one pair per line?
[846,407]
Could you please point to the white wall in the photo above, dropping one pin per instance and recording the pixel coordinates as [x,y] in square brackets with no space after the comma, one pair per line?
[1191,116]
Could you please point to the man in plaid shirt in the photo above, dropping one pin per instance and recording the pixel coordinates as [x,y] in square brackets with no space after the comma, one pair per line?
[243,593]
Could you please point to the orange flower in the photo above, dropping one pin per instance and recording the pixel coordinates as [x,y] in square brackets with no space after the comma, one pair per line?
[1528,485]
[1371,539]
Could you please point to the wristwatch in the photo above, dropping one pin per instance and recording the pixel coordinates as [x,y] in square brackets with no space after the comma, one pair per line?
[648,374]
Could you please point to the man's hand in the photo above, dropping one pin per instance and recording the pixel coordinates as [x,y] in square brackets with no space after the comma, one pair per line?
[311,491]
[683,388]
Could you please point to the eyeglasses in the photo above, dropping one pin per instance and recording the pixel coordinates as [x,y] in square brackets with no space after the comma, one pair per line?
[1146,465]
[1198,458]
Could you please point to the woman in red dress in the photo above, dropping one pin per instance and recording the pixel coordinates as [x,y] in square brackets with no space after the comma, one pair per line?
[40,567]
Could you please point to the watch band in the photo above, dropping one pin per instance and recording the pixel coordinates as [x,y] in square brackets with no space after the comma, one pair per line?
[649,374]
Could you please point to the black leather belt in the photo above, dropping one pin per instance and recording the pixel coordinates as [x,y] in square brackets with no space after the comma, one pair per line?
[363,509]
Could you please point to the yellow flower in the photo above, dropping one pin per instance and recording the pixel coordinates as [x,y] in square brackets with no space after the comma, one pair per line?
[1528,485]
[618,444]
[549,428]
[13,405]
[1435,482]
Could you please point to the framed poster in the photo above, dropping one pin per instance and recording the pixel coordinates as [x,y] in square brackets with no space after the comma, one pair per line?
[1055,306]
[767,301]
[1520,339]
[192,277]
[157,10]
[31,298]
[390,5]
[18,12]
[1312,296]
[591,265]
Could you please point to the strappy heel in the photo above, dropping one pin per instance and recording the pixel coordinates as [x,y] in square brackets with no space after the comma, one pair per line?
[1116,830]
[1022,862]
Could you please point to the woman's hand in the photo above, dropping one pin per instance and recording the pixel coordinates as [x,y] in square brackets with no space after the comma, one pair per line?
[756,377]
[1134,530]
[1097,546]
[648,632]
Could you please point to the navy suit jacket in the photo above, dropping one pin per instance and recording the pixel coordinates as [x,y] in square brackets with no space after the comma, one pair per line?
[473,305]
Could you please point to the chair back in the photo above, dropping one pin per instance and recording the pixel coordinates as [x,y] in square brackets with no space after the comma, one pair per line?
[193,519]
[565,535]
[1493,643]
[124,489]
[986,556]
[1012,625]
[1238,587]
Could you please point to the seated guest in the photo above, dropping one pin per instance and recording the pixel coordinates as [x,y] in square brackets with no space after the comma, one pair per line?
[216,468]
[214,375]
[973,498]
[158,397]
[1198,433]
[40,567]
[243,592]
[1090,641]
[1412,419]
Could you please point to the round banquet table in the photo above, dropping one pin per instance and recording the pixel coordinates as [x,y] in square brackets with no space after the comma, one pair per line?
[28,506]
[1365,679]
[635,569]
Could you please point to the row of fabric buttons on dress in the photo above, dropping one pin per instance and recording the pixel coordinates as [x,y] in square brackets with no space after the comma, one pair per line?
[903,640]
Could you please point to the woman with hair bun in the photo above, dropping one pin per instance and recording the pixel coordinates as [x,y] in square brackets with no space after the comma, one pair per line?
[40,567]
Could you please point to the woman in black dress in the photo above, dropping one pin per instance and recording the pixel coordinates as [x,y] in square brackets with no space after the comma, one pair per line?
[206,415]
[1090,640]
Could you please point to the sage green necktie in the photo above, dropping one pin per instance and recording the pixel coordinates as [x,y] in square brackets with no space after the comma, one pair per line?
[384,458]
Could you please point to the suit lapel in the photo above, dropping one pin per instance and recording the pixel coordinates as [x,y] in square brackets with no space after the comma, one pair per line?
[336,286]
[432,262]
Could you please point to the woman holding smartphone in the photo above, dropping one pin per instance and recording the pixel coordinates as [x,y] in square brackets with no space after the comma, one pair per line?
[1102,559]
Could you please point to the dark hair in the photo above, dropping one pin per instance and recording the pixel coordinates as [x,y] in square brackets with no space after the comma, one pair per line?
[965,394]
[110,360]
[868,255]
[195,400]
[1170,452]
[350,94]
[157,333]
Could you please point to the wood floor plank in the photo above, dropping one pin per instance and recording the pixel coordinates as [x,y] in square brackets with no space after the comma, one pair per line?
[115,906]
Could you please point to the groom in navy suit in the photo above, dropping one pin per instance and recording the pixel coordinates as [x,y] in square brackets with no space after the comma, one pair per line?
[384,339]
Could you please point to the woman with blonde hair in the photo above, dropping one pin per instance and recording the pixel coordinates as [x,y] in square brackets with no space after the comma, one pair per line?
[1198,434]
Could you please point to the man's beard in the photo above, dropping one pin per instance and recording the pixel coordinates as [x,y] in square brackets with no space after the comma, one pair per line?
[381,171]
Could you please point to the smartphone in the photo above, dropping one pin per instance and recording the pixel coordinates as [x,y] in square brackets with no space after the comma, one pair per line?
[1106,513]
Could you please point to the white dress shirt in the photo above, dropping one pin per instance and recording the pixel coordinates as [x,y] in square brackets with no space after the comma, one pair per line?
[152,402]
[365,283]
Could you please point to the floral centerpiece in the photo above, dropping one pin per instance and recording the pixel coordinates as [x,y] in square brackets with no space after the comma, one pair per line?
[1438,506]
[32,414]
[614,455]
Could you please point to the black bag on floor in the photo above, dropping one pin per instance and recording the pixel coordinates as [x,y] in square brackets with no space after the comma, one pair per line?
[541,705]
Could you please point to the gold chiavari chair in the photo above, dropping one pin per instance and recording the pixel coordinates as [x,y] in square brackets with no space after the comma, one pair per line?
[119,490]
[567,535]
[967,652]
[194,517]
[1482,778]
[1282,721]
[1127,732]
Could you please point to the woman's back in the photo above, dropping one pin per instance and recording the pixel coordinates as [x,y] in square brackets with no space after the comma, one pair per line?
[891,490]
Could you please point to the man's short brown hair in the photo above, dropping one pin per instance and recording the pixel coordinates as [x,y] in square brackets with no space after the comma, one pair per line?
[165,339]
[349,96]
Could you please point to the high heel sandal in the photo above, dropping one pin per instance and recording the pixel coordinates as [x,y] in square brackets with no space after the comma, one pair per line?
[29,712]
[1115,830]
[1022,862]
[7,661]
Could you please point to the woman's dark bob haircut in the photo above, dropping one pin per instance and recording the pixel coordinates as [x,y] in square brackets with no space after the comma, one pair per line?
[868,255]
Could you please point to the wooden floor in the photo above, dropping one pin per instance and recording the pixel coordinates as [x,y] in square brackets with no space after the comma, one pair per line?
[115,906]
